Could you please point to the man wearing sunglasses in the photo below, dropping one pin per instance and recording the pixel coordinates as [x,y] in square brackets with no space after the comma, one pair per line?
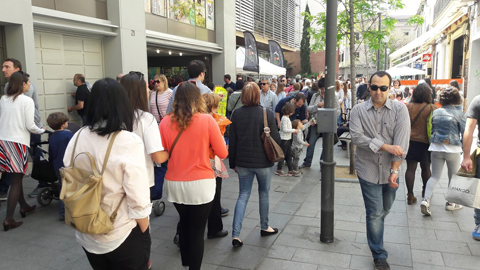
[196,72]
[380,129]
[268,99]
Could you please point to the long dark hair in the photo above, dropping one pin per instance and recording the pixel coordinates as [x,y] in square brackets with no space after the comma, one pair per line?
[136,88]
[15,84]
[109,109]
[422,93]
[187,102]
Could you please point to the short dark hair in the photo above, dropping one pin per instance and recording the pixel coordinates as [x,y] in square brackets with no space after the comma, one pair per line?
[299,96]
[380,74]
[16,63]
[80,77]
[109,110]
[288,109]
[295,123]
[250,94]
[397,80]
[211,86]
[195,68]
[15,84]
[422,93]
[135,86]
[450,96]
[227,76]
[56,120]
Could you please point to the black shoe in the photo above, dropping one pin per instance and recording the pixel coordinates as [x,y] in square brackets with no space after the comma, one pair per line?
[381,264]
[61,217]
[225,212]
[176,240]
[237,243]
[267,233]
[304,166]
[219,234]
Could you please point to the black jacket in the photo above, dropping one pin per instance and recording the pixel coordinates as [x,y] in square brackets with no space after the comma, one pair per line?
[246,146]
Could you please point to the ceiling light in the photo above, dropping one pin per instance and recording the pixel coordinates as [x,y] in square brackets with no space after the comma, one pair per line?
[180,54]
[170,52]
[158,51]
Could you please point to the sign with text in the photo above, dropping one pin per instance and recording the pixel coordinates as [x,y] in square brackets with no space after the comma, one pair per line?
[427,57]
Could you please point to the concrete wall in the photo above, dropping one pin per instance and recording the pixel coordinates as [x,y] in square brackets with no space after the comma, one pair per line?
[20,43]
[224,63]
[90,8]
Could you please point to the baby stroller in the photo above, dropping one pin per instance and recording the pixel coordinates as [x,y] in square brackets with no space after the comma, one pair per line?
[43,172]
[156,192]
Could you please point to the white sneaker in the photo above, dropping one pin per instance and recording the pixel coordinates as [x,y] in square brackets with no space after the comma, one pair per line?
[425,207]
[452,206]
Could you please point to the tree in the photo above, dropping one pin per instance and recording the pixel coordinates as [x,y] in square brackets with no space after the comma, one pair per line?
[305,44]
[357,16]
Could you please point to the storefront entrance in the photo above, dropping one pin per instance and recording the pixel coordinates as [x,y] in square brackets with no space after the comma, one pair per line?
[173,63]
[457,58]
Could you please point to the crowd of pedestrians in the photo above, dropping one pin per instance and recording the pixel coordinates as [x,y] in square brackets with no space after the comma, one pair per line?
[152,125]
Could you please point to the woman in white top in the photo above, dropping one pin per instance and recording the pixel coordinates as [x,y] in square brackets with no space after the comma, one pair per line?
[160,98]
[144,124]
[16,122]
[339,96]
[127,246]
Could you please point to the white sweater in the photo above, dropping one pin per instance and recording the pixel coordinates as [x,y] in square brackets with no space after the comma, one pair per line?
[286,129]
[17,119]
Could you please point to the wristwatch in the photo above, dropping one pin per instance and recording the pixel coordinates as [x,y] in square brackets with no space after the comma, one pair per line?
[393,171]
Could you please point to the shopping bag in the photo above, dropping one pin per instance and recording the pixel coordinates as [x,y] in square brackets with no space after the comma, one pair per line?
[464,191]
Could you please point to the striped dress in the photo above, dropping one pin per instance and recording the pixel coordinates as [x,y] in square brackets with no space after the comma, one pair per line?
[162,102]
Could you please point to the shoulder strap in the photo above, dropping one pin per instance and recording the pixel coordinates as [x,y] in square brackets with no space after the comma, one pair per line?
[236,103]
[418,115]
[105,160]
[266,129]
[175,142]
[156,103]
[75,146]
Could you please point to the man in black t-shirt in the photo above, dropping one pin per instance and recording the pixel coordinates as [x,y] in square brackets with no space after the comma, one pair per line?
[81,97]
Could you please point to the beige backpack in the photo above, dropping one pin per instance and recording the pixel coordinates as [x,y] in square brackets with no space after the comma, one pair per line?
[81,193]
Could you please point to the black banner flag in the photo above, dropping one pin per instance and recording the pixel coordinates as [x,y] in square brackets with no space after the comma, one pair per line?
[276,53]
[251,53]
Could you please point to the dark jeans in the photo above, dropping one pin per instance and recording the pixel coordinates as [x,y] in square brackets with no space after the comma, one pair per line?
[296,152]
[133,253]
[215,223]
[286,146]
[340,131]
[312,140]
[476,212]
[61,205]
[193,219]
[378,201]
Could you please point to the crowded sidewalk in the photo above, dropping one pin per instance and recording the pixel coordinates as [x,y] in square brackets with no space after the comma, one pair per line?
[414,241]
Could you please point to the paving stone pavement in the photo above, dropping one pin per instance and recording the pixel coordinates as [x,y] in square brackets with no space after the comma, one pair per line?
[442,241]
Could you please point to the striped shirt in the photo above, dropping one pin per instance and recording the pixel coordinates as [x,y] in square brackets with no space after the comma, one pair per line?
[161,101]
[370,129]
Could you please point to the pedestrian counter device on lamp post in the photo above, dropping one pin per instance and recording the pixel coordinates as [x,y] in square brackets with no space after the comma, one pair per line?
[328,164]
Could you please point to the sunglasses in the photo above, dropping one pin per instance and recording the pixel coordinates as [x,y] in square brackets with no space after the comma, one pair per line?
[374,87]
[157,81]
[263,83]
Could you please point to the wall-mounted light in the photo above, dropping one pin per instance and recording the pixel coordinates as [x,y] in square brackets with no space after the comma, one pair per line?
[180,54]
[158,51]
[169,52]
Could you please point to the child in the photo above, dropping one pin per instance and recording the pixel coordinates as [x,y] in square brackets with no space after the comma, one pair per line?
[58,142]
[286,131]
[298,143]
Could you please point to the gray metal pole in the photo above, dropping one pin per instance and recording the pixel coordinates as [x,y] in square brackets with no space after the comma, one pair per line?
[328,164]
[380,41]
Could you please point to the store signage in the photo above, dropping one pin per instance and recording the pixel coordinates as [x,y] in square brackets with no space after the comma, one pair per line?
[427,57]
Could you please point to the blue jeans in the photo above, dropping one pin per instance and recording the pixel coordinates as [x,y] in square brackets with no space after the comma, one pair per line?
[245,177]
[312,140]
[378,200]
[476,215]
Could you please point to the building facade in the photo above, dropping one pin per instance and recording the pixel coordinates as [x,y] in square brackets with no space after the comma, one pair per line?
[55,39]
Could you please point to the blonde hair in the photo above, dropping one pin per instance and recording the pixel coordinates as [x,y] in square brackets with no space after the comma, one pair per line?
[162,79]
[211,101]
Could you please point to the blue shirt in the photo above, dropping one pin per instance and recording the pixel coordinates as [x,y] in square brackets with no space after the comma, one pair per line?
[203,89]
[300,113]
[56,147]
[231,85]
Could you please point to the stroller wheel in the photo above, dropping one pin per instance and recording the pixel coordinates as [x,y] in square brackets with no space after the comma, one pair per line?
[44,197]
[158,208]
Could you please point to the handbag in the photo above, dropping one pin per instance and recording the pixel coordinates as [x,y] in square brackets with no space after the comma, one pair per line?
[429,123]
[158,110]
[464,188]
[82,194]
[272,149]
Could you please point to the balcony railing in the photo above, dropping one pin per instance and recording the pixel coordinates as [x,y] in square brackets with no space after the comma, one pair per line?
[440,5]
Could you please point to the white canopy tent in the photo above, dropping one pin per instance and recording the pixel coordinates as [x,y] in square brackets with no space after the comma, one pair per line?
[266,68]
[404,71]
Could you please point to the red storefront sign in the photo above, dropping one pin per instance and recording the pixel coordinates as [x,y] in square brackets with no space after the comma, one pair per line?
[427,57]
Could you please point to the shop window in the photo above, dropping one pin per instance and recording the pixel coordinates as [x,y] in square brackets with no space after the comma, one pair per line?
[193,12]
